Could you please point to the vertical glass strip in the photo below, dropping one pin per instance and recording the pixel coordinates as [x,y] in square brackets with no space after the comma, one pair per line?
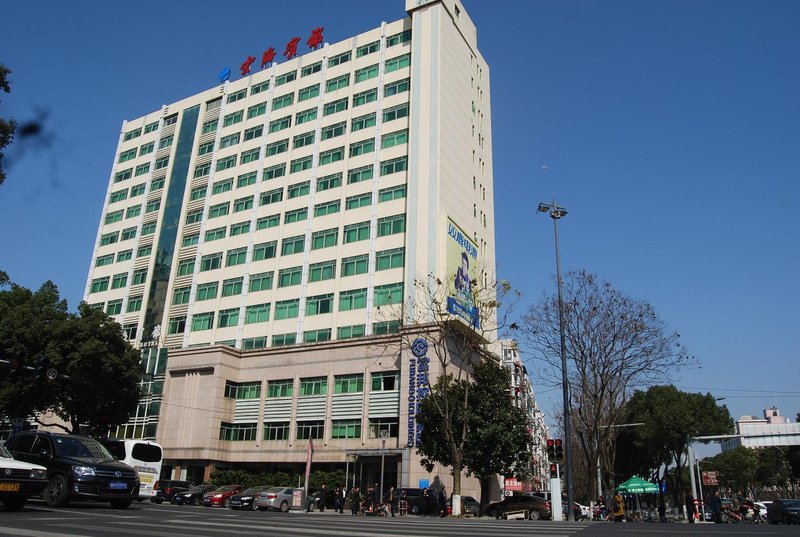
[170,221]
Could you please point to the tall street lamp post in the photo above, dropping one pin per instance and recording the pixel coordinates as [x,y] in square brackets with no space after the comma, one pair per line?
[384,435]
[556,213]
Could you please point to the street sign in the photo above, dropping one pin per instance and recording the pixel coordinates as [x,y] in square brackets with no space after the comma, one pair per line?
[52,373]
[710,478]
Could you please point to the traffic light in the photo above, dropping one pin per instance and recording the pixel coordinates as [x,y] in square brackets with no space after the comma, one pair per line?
[42,365]
[14,366]
[559,450]
[553,470]
[551,450]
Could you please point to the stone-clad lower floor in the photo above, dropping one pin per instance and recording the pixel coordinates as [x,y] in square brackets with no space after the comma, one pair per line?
[259,411]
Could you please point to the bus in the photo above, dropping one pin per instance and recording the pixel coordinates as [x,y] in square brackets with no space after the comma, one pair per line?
[144,456]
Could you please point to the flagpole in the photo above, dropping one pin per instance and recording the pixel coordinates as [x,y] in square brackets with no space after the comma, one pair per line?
[309,456]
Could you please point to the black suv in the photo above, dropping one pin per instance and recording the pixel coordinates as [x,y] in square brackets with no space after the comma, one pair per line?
[167,489]
[78,468]
[418,502]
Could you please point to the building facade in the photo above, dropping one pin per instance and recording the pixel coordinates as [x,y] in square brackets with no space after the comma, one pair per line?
[525,399]
[771,430]
[271,230]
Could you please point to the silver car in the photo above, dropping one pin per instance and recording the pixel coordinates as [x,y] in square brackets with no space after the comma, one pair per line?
[278,498]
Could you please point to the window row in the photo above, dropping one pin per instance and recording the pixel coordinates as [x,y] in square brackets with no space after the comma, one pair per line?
[288,99]
[296,244]
[157,183]
[277,125]
[340,429]
[283,309]
[304,163]
[354,383]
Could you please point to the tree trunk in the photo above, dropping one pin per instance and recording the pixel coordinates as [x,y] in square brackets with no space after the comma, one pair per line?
[457,474]
[486,491]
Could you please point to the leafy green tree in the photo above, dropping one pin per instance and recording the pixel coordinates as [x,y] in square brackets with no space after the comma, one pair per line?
[103,368]
[773,468]
[737,468]
[29,323]
[671,419]
[636,456]
[99,372]
[7,126]
[497,440]
[434,446]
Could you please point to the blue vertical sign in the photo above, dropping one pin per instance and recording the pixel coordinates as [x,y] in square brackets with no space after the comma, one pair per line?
[418,387]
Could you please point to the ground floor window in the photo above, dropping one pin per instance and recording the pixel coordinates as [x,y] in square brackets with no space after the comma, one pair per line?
[310,429]
[237,431]
[346,429]
[390,424]
[278,430]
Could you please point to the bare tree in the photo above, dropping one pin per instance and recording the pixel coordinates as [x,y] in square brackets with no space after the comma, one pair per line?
[615,345]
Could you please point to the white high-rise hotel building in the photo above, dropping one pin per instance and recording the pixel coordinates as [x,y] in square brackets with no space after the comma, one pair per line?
[252,233]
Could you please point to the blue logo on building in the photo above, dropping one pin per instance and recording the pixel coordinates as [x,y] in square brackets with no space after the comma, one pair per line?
[224,75]
[419,348]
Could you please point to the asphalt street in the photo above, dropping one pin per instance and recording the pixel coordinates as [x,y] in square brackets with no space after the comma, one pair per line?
[149,520]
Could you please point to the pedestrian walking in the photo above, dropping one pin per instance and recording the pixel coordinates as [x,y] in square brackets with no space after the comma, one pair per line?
[323,498]
[355,501]
[715,504]
[619,507]
[392,500]
[442,503]
[688,499]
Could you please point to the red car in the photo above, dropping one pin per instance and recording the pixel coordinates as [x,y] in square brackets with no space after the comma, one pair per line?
[222,496]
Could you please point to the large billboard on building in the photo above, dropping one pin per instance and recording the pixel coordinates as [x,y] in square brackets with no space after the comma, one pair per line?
[462,270]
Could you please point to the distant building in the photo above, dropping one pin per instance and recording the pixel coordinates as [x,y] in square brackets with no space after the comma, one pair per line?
[522,392]
[771,430]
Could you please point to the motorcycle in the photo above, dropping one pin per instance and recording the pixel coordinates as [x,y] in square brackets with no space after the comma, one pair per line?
[600,512]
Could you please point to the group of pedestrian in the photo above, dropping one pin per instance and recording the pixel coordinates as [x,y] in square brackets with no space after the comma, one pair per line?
[714,503]
[371,502]
[393,503]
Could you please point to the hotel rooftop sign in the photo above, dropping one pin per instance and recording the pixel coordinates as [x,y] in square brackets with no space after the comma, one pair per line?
[268,56]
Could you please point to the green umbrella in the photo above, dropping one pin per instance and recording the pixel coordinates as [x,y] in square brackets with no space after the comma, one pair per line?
[637,485]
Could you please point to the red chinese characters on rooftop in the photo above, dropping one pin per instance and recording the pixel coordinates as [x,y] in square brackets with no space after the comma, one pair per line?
[245,67]
[268,56]
[291,48]
[316,38]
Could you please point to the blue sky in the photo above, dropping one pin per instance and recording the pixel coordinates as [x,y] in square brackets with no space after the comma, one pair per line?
[670,131]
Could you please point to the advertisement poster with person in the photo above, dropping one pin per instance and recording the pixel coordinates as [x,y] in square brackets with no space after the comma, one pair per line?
[462,267]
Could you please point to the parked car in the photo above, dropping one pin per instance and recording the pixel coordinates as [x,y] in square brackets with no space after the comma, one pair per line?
[19,480]
[193,496]
[246,499]
[78,468]
[221,497]
[165,490]
[471,506]
[536,506]
[786,510]
[279,498]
